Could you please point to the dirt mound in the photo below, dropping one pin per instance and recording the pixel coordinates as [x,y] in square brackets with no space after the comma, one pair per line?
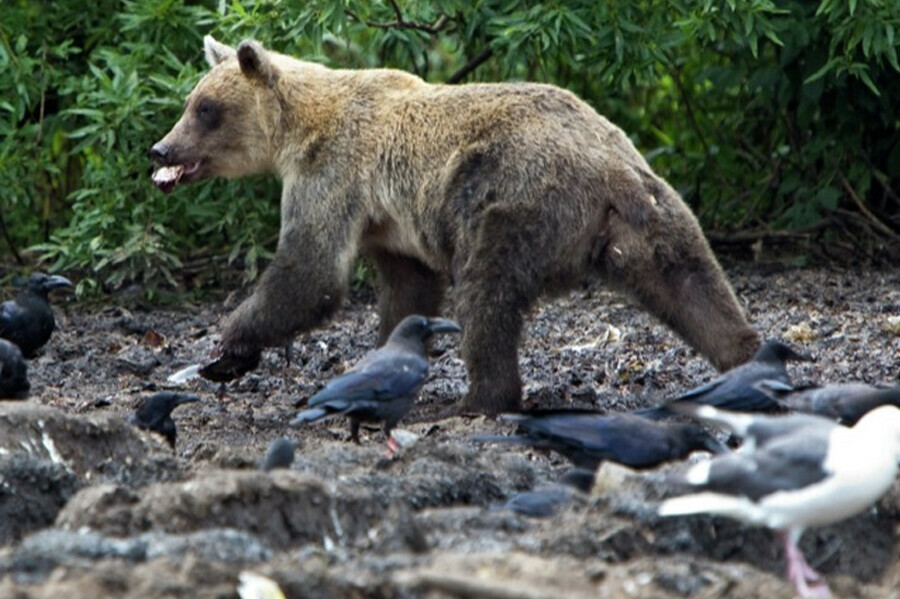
[91,507]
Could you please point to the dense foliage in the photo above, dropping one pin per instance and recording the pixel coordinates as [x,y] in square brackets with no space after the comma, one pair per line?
[767,115]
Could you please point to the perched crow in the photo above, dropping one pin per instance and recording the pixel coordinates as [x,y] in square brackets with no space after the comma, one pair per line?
[813,476]
[383,385]
[28,319]
[155,413]
[844,402]
[13,372]
[279,455]
[746,388]
[588,438]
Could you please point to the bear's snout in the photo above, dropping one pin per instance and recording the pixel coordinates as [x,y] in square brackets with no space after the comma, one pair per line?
[159,152]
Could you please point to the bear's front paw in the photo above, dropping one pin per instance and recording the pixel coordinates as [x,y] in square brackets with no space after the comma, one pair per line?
[228,364]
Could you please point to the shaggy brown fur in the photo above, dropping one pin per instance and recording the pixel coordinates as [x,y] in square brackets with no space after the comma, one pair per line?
[508,191]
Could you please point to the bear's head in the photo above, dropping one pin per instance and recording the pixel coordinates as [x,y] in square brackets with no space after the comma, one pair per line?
[229,121]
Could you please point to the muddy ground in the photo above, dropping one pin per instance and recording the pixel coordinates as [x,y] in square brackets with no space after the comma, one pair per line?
[89,507]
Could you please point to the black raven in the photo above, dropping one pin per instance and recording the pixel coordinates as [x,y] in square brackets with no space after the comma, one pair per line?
[155,413]
[383,385]
[747,388]
[28,319]
[13,372]
[589,438]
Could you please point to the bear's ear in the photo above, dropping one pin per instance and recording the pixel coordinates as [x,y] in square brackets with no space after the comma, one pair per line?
[216,52]
[255,62]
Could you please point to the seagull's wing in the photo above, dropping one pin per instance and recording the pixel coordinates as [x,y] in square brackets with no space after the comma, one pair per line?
[786,464]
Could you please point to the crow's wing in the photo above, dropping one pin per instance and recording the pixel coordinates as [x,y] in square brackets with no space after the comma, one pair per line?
[697,393]
[10,314]
[737,389]
[387,375]
[613,437]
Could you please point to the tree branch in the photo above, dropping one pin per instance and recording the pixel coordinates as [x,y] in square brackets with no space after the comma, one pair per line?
[470,66]
[749,237]
[401,23]
[865,210]
[9,241]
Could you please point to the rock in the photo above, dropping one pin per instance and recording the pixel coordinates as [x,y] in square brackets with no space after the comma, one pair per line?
[97,447]
[190,578]
[107,503]
[32,491]
[39,554]
[215,544]
[398,531]
[282,508]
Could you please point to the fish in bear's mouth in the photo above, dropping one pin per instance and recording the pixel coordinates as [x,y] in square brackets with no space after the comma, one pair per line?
[167,177]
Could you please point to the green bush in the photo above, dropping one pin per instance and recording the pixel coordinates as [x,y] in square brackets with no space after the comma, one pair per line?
[766,115]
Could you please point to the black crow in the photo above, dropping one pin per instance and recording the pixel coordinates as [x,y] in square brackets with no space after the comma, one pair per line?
[747,388]
[383,385]
[13,372]
[813,476]
[155,413]
[28,319]
[589,438]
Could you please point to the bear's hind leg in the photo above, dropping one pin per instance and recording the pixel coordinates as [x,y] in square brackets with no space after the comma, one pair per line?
[405,286]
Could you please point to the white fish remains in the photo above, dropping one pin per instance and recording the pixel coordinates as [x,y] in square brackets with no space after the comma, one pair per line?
[185,374]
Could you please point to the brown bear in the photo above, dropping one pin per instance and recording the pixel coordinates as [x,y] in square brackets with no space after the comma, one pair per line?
[507,191]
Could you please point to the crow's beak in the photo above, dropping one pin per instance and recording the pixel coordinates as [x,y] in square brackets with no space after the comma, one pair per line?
[442,325]
[184,398]
[800,356]
[55,282]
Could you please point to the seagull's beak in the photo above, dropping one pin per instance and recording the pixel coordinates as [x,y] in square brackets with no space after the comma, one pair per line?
[442,325]
[55,282]
[774,389]
[713,445]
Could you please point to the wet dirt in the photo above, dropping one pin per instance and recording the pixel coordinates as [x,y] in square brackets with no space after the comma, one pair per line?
[91,507]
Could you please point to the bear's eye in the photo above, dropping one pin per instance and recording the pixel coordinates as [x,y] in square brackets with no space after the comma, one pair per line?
[209,114]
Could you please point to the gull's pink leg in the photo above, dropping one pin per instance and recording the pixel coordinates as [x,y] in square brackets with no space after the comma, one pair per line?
[808,572]
[393,448]
[799,571]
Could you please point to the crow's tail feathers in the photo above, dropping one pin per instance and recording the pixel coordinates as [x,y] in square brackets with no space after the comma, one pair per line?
[310,415]
[519,440]
[656,413]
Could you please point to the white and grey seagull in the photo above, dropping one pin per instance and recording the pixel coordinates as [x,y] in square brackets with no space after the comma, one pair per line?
[806,475]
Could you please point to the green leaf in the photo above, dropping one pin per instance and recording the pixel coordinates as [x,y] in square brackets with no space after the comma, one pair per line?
[828,197]
[828,66]
[867,80]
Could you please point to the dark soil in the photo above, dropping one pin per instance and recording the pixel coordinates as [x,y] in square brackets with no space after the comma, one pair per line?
[91,507]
